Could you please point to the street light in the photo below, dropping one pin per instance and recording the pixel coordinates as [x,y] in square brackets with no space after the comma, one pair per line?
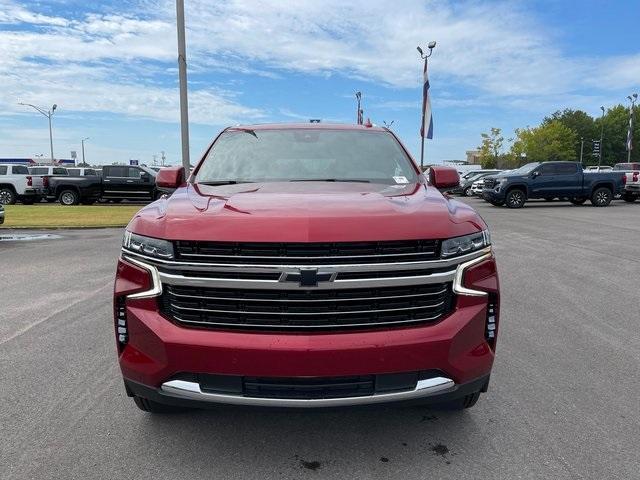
[601,136]
[182,75]
[48,114]
[632,114]
[82,141]
[431,45]
[358,109]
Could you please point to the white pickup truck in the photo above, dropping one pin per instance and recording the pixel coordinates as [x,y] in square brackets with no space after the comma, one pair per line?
[16,183]
[632,186]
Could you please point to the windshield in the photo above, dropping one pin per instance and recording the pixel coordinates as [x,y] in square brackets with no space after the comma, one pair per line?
[528,168]
[306,155]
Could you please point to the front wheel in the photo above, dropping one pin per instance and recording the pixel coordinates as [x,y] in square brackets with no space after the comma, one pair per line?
[69,197]
[150,406]
[7,196]
[601,197]
[463,403]
[467,192]
[515,199]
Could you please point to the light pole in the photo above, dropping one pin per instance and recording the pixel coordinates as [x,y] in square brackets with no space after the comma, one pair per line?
[82,141]
[601,136]
[182,74]
[426,104]
[359,111]
[632,114]
[581,149]
[48,114]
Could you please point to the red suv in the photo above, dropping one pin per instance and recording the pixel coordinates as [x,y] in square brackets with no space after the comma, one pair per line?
[306,265]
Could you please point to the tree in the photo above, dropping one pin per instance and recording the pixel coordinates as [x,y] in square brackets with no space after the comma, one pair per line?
[614,144]
[551,141]
[582,124]
[491,148]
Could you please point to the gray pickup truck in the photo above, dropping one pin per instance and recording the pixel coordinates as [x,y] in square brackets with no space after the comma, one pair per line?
[549,180]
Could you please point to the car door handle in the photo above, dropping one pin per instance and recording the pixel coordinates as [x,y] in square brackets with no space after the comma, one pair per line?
[129,181]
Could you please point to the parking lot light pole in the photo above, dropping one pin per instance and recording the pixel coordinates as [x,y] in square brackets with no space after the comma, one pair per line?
[601,136]
[581,149]
[632,121]
[48,114]
[83,140]
[182,74]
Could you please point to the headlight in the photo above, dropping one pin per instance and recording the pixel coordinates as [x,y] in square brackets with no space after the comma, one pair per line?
[468,243]
[152,247]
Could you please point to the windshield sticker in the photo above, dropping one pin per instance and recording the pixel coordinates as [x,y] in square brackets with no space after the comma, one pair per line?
[401,179]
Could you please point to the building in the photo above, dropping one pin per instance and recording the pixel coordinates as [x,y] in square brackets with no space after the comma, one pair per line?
[473,157]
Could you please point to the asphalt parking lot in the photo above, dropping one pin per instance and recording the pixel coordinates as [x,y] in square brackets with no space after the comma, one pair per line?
[563,402]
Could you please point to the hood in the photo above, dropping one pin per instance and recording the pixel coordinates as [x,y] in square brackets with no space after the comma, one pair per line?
[306,212]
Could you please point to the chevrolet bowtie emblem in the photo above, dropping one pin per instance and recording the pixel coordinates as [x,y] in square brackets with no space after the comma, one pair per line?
[307,277]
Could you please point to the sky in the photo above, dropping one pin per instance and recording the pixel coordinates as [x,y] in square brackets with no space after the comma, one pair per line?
[111,67]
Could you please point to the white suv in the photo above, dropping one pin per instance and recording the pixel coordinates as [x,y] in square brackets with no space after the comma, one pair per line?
[16,183]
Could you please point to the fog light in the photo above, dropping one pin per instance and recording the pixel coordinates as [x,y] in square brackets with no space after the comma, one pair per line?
[121,321]
[492,321]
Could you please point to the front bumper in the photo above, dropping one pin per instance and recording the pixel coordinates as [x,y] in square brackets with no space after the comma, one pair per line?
[160,357]
[189,394]
[493,194]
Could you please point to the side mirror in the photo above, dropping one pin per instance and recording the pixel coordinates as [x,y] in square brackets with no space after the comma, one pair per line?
[536,174]
[170,177]
[444,178]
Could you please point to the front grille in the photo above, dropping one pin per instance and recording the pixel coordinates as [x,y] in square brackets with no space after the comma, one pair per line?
[309,388]
[489,183]
[334,253]
[306,309]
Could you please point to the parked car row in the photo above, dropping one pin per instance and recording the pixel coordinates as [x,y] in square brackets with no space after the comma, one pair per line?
[565,181]
[76,185]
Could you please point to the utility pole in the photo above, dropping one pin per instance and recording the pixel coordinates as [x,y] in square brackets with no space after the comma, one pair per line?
[601,136]
[426,103]
[581,149]
[83,140]
[48,114]
[163,157]
[182,74]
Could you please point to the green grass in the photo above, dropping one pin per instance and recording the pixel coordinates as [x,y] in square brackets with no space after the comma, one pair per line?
[59,216]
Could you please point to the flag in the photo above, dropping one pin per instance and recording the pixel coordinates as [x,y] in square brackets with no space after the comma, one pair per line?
[630,132]
[426,129]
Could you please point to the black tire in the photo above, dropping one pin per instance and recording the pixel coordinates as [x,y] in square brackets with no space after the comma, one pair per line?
[578,201]
[158,195]
[7,196]
[601,197]
[467,192]
[515,198]
[629,198]
[69,197]
[463,403]
[150,406]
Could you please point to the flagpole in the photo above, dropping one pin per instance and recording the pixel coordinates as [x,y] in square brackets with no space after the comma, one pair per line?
[632,99]
[425,56]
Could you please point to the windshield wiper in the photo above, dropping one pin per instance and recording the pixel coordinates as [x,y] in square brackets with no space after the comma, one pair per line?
[358,180]
[224,182]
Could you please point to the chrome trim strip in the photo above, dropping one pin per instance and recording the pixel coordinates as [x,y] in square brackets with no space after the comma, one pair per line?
[436,305]
[310,300]
[156,284]
[192,391]
[172,279]
[293,268]
[458,286]
[293,257]
[333,326]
